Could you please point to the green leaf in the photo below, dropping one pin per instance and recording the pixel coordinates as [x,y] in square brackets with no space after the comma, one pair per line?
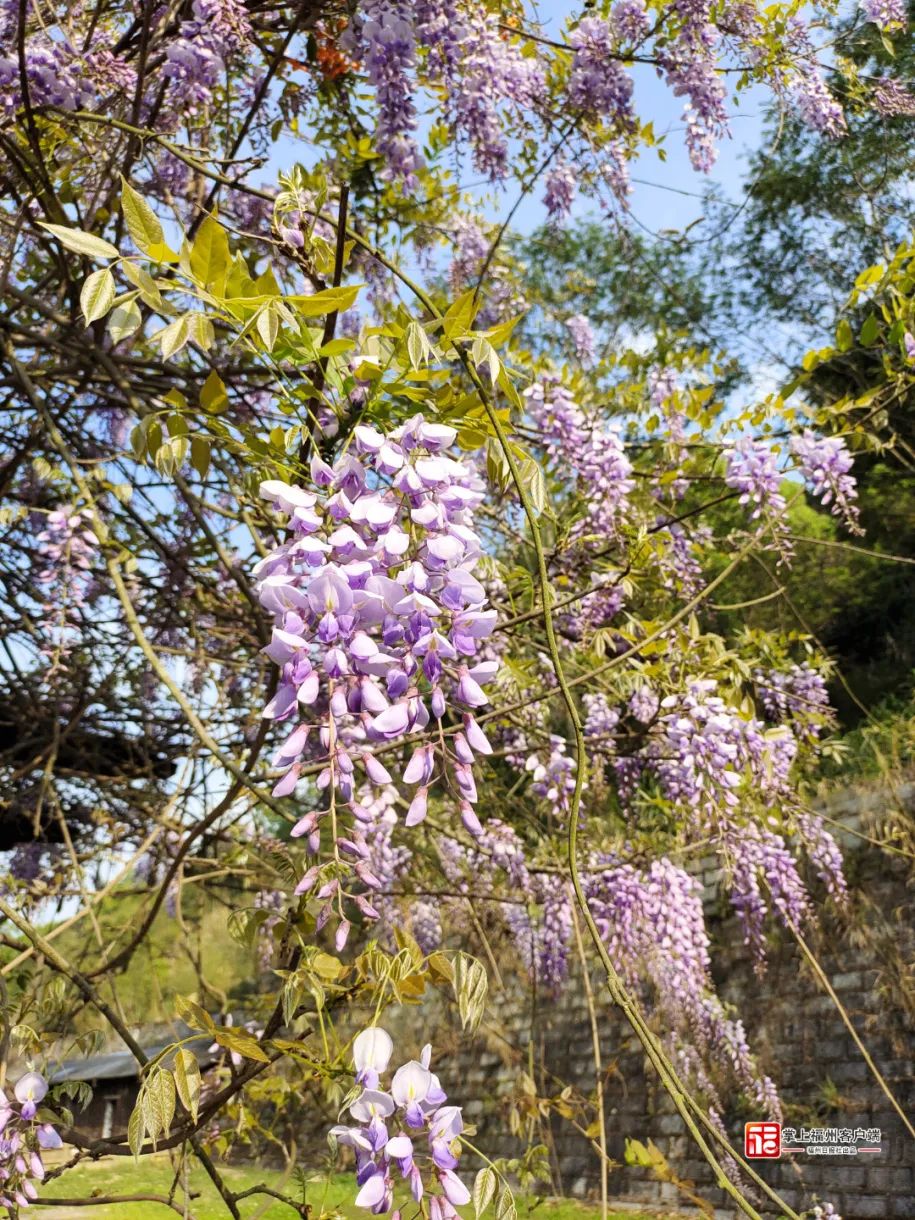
[483,352]
[173,337]
[331,300]
[508,388]
[460,315]
[136,1130]
[82,243]
[533,478]
[266,283]
[213,396]
[869,330]
[499,334]
[505,1208]
[470,987]
[268,325]
[161,252]
[242,925]
[844,338]
[242,1043]
[97,294]
[497,469]
[419,349]
[326,966]
[187,1080]
[200,455]
[484,1187]
[209,255]
[125,320]
[142,223]
[201,331]
[193,1015]
[336,347]
[144,281]
[157,1102]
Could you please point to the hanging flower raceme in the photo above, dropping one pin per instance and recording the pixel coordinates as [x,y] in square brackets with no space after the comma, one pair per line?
[752,471]
[594,449]
[378,620]
[559,191]
[407,1132]
[583,339]
[797,697]
[553,775]
[23,1138]
[825,464]
[652,923]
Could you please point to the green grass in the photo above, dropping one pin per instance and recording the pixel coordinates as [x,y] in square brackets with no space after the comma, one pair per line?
[153,1175]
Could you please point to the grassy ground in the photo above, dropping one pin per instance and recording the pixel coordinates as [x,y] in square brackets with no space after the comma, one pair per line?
[153,1175]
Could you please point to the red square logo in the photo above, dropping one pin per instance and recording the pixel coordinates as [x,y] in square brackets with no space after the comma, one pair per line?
[762,1141]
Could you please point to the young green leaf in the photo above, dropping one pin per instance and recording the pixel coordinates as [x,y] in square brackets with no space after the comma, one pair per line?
[242,1043]
[124,321]
[484,1187]
[331,300]
[268,325]
[142,223]
[97,295]
[470,987]
[209,255]
[82,243]
[136,1130]
[460,315]
[141,279]
[187,1080]
[174,336]
[213,396]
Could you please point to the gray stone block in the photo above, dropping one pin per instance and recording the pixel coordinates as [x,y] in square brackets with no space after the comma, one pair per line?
[890,1181]
[867,1207]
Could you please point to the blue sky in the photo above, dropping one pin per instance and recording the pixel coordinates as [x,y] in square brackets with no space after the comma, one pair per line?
[666,194]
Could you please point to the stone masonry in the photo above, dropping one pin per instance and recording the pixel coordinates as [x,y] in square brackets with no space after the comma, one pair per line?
[791,1024]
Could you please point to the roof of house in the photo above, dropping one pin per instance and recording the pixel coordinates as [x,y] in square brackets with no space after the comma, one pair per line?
[121,1065]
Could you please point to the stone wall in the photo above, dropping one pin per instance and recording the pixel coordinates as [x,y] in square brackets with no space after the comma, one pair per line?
[793,1026]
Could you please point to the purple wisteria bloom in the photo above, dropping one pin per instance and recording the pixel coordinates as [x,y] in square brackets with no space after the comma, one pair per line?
[407,1132]
[752,471]
[825,463]
[23,1138]
[582,335]
[559,191]
[378,623]
[886,14]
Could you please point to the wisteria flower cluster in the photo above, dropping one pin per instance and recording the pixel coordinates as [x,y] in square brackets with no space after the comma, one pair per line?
[553,775]
[583,338]
[760,857]
[23,1138]
[797,696]
[825,463]
[825,1211]
[594,449]
[652,922]
[559,187]
[706,751]
[68,545]
[752,471]
[405,1132]
[378,620]
[491,82]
